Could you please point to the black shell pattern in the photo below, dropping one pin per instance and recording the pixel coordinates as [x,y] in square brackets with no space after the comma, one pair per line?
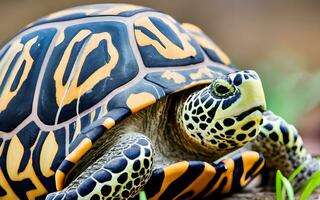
[68,77]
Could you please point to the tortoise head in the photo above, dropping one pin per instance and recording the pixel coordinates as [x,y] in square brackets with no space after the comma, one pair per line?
[226,114]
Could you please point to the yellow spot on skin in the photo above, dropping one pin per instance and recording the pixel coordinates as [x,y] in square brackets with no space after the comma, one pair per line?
[65,94]
[200,73]
[109,123]
[249,158]
[175,76]
[167,49]
[119,9]
[201,182]
[78,152]
[47,155]
[137,102]
[7,95]
[60,178]
[171,173]
[205,42]
[15,153]
[5,185]
[228,174]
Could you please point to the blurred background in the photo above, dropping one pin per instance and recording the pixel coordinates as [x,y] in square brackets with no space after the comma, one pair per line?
[279,39]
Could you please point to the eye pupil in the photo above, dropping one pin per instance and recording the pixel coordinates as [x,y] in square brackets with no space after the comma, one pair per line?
[222,89]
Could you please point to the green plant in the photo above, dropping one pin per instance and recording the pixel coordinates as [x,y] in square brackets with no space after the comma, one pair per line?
[281,192]
[142,196]
[284,186]
[310,186]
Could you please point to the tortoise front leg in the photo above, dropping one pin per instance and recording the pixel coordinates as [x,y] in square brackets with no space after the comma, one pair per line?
[121,173]
[283,148]
[199,180]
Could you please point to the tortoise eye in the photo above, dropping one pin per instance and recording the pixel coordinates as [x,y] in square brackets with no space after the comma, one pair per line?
[222,88]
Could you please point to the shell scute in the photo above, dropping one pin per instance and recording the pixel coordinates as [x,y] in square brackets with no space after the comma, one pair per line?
[162,43]
[84,68]
[209,47]
[137,97]
[89,83]
[20,67]
[33,156]
[122,10]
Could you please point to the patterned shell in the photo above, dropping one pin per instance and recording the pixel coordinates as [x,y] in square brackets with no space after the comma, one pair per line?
[68,77]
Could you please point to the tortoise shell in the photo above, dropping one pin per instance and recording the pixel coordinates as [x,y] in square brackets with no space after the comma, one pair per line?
[68,77]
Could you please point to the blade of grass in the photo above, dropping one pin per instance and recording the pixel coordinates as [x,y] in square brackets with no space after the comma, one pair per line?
[288,187]
[296,172]
[281,180]
[312,184]
[278,185]
[142,196]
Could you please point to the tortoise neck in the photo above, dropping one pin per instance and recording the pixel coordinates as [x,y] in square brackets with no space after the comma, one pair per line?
[178,131]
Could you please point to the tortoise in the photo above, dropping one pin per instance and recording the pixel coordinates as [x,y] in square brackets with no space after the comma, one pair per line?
[103,101]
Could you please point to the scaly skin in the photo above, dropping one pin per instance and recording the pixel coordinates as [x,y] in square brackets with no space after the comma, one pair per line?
[120,173]
[283,148]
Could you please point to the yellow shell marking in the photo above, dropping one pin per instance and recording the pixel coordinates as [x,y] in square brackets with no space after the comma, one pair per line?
[15,154]
[65,94]
[136,102]
[200,73]
[60,178]
[70,12]
[47,155]
[175,76]
[78,152]
[73,157]
[104,110]
[1,147]
[119,9]
[7,95]
[192,27]
[5,185]
[169,50]
[60,38]
[206,42]
[77,128]
[109,123]
[92,115]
